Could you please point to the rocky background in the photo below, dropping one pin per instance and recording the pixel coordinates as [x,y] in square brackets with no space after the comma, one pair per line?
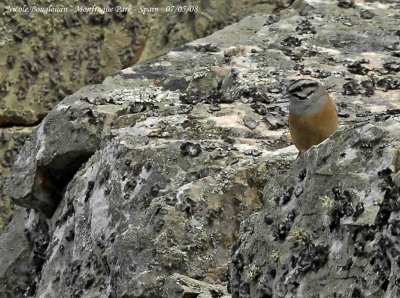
[45,57]
[177,177]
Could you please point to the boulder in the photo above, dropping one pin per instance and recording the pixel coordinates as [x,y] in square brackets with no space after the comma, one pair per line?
[151,173]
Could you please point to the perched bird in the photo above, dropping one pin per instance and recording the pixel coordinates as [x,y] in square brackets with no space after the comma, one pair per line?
[312,113]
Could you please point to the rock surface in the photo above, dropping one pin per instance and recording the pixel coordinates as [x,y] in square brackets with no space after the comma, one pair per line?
[150,173]
[330,226]
[181,286]
[46,56]
[11,142]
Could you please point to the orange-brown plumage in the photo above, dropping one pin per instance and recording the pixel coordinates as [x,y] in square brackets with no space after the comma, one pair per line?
[310,130]
[312,114]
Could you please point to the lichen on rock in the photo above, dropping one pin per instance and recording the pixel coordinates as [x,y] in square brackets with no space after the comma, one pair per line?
[346,210]
[140,184]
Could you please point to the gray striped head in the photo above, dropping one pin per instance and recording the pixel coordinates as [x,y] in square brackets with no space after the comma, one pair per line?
[307,97]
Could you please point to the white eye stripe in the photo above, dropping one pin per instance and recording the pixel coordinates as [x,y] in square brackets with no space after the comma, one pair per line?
[304,93]
[300,85]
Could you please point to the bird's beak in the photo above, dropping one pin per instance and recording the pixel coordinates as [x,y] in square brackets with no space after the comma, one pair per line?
[286,96]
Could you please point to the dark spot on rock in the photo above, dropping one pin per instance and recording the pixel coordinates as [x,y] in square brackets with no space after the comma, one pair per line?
[385,284]
[130,186]
[271,19]
[139,107]
[285,197]
[298,66]
[356,293]
[305,72]
[215,107]
[71,19]
[363,114]
[104,176]
[392,67]
[387,83]
[192,98]
[359,209]
[359,248]
[302,175]
[346,3]
[298,190]
[385,175]
[320,74]
[190,149]
[274,88]
[368,84]
[57,277]
[264,292]
[89,190]
[312,257]
[219,153]
[71,235]
[188,206]
[180,84]
[357,68]
[20,33]
[396,54]
[366,14]
[343,115]
[394,227]
[216,293]
[291,216]
[158,225]
[281,231]
[107,190]
[207,48]
[351,88]
[268,220]
[393,111]
[343,206]
[154,190]
[259,108]
[69,212]
[89,281]
[212,215]
[184,109]
[291,42]
[305,27]
[10,61]
[192,176]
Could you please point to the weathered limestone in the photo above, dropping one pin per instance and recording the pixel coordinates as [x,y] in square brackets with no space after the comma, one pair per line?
[151,173]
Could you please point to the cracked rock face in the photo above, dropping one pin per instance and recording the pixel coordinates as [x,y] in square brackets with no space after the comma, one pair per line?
[330,226]
[151,173]
[46,56]
[11,142]
[142,177]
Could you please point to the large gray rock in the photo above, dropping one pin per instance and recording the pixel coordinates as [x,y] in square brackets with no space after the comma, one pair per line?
[330,226]
[23,251]
[146,175]
[46,56]
[66,138]
[151,172]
